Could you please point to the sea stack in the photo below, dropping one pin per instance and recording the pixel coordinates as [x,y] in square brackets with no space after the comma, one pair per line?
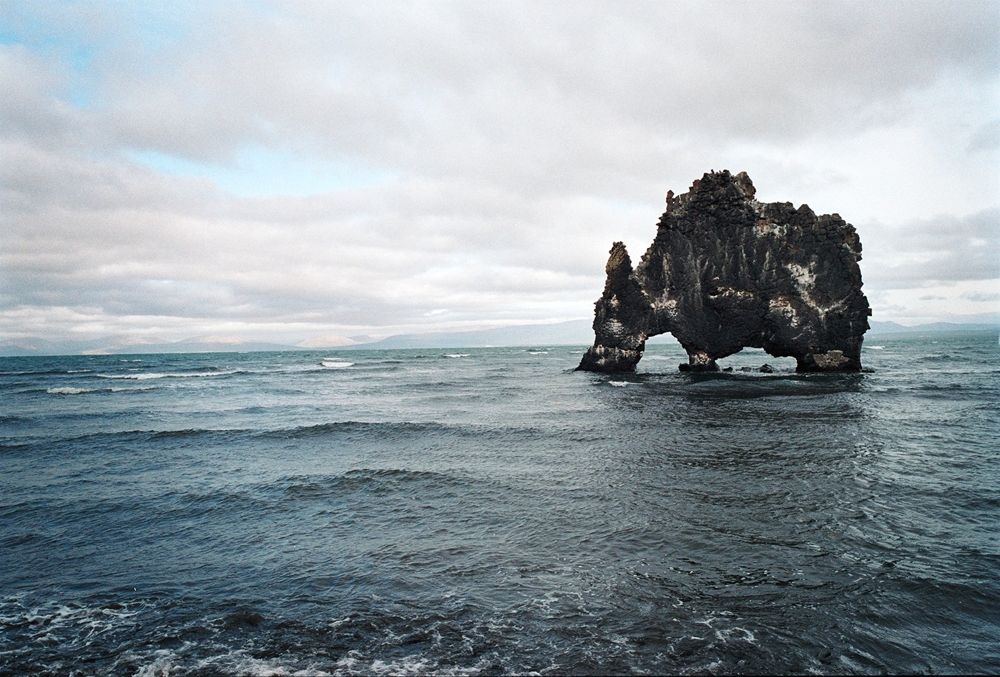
[727,272]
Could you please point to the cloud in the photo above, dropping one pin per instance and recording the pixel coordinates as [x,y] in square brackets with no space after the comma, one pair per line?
[538,97]
[981,297]
[941,249]
[940,269]
[987,137]
[297,168]
[959,301]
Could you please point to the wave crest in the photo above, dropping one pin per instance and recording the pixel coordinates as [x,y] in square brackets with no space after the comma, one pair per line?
[333,363]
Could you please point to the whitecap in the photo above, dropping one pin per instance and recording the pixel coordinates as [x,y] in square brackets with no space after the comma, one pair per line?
[456,354]
[134,377]
[166,661]
[619,384]
[68,391]
[161,666]
[875,347]
[538,352]
[408,665]
[735,633]
[148,376]
[336,364]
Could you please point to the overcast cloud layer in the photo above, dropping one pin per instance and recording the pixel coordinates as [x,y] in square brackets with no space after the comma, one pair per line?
[279,171]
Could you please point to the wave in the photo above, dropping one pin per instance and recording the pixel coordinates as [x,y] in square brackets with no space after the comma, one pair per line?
[70,390]
[937,357]
[348,431]
[456,354]
[360,430]
[377,428]
[334,363]
[57,631]
[35,372]
[149,376]
[401,430]
[241,661]
[192,432]
[378,481]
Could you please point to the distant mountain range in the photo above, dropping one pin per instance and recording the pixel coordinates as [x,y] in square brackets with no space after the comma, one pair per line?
[880,328]
[133,346]
[574,332]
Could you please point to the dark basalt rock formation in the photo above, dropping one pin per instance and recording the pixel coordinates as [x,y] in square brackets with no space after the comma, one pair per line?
[727,272]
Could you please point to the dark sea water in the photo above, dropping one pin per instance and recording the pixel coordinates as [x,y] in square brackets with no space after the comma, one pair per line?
[490,511]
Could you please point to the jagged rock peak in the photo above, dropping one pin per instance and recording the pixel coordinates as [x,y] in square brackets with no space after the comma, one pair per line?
[619,262]
[726,272]
[619,317]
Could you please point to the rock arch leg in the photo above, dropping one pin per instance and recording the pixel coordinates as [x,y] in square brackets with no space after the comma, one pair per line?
[620,318]
[699,360]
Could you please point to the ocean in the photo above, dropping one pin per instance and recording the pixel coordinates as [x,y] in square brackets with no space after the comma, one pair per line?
[491,511]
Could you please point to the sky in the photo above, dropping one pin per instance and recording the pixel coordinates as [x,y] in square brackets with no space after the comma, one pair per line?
[285,170]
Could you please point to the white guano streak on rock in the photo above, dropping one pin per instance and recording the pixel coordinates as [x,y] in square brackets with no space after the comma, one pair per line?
[768,228]
[804,278]
[783,305]
[805,281]
[667,306]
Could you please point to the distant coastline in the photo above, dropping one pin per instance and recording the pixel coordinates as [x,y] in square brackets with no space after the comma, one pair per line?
[574,332]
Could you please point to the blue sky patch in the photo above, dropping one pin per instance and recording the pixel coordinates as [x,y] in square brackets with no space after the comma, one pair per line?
[257,170]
